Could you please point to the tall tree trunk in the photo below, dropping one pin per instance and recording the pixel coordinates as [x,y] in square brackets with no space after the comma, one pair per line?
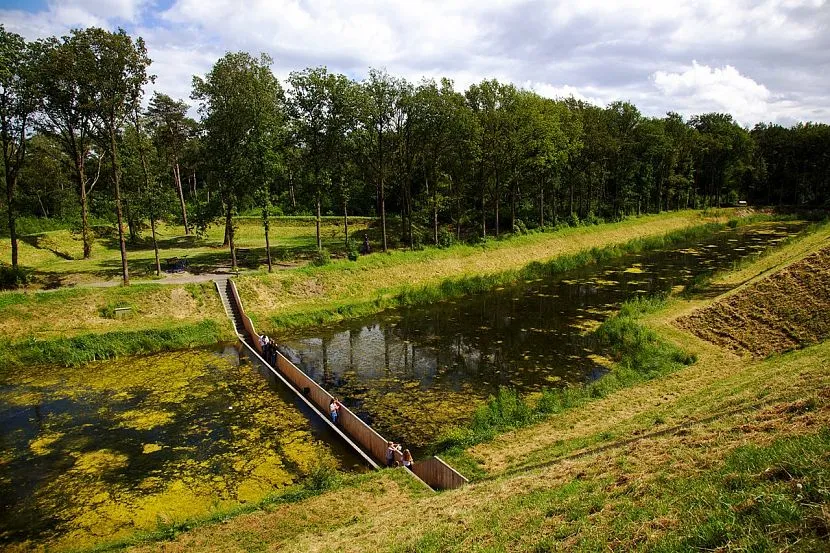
[131,222]
[497,201]
[483,214]
[434,211]
[319,241]
[457,216]
[346,220]
[155,242]
[572,198]
[226,239]
[383,214]
[229,231]
[291,189]
[85,233]
[542,203]
[408,209]
[11,183]
[178,178]
[116,178]
[267,224]
[512,207]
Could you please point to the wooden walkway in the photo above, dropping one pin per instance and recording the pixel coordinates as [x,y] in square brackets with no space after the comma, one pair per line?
[370,445]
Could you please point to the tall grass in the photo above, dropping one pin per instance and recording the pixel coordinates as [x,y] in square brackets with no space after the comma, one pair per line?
[764,498]
[78,350]
[640,355]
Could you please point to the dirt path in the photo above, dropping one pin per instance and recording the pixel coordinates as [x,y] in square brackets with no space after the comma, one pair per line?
[178,278]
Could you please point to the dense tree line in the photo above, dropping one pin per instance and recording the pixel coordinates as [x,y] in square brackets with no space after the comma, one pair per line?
[447,165]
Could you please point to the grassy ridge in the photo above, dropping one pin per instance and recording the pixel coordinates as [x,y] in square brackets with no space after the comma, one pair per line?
[77,350]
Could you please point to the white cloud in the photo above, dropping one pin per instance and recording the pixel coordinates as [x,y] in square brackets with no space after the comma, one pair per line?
[759,59]
[63,15]
[586,94]
[702,88]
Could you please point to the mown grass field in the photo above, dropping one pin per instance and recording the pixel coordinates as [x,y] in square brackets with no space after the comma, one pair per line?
[56,257]
[728,453]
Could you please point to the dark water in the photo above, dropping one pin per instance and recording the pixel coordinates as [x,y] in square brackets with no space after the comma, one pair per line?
[105,449]
[412,372]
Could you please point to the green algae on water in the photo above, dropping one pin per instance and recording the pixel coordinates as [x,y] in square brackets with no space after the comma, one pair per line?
[100,451]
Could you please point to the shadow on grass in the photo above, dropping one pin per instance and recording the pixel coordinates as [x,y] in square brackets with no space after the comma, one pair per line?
[36,241]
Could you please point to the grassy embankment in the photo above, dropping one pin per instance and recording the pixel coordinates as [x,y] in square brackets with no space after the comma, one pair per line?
[317,295]
[72,326]
[728,453]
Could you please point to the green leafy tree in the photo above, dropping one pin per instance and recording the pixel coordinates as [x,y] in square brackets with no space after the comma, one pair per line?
[172,128]
[380,101]
[322,108]
[239,100]
[116,67]
[723,149]
[16,108]
[65,113]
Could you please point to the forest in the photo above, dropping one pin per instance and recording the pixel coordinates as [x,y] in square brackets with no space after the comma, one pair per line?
[83,143]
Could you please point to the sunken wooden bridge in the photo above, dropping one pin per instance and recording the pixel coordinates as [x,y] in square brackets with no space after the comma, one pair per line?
[358,435]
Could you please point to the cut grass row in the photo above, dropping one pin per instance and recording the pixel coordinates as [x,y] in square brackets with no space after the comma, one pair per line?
[56,256]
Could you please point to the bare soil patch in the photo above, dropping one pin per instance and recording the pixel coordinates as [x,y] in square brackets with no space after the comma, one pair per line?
[787,310]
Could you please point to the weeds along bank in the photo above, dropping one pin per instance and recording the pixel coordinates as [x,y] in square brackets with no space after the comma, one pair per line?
[315,295]
[725,453]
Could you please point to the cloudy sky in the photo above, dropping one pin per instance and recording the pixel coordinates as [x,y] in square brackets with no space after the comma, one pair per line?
[767,60]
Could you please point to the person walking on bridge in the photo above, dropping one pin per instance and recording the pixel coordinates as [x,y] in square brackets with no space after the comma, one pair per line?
[334,410]
[407,459]
[391,449]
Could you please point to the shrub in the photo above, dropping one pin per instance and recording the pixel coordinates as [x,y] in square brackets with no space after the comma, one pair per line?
[11,278]
[592,219]
[322,476]
[321,257]
[519,227]
[352,250]
[445,238]
[573,219]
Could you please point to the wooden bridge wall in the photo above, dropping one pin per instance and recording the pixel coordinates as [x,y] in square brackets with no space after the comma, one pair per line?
[435,472]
